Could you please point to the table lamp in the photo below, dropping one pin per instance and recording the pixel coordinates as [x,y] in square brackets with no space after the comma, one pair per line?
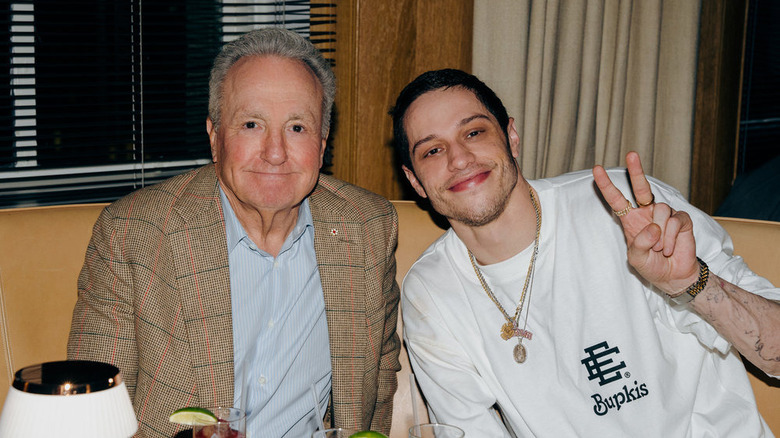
[71,398]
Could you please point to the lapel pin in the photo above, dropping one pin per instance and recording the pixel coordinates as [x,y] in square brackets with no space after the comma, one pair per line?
[334,231]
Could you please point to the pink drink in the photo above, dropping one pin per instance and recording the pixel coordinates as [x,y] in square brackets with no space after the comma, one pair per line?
[231,423]
[219,430]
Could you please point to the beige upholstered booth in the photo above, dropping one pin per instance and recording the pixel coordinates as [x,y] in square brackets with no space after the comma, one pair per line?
[758,242]
[41,253]
[42,250]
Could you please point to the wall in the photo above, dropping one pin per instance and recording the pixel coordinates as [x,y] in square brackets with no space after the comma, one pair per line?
[381,46]
[716,120]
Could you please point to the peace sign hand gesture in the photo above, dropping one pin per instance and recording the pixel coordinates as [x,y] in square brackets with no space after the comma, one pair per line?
[661,246]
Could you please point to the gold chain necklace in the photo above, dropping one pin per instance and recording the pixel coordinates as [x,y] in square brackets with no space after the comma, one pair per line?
[511,327]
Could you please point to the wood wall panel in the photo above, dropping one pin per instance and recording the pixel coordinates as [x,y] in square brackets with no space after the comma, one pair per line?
[381,46]
[718,85]
[434,26]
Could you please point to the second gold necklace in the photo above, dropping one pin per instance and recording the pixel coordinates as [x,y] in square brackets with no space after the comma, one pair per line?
[511,327]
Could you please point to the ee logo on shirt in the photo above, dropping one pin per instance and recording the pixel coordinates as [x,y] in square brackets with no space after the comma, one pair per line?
[603,363]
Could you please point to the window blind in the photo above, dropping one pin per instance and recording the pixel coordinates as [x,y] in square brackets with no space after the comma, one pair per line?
[101,97]
[759,126]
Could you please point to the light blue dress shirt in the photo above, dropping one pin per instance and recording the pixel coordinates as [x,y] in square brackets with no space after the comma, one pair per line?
[280,334]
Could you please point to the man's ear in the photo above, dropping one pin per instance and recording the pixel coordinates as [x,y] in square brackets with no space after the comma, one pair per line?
[322,150]
[413,181]
[212,131]
[513,137]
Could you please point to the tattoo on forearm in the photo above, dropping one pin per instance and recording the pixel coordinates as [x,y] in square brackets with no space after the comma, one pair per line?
[730,309]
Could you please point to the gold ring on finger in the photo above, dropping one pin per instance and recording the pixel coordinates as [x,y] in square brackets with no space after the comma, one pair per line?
[641,204]
[624,211]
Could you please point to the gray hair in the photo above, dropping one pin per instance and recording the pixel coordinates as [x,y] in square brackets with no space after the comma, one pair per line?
[277,42]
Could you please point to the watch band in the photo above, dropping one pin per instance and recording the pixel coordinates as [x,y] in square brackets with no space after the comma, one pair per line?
[694,289]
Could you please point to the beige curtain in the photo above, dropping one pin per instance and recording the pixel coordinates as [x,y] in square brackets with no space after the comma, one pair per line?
[589,80]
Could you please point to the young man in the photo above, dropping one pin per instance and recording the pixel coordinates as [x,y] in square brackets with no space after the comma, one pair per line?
[247,281]
[558,308]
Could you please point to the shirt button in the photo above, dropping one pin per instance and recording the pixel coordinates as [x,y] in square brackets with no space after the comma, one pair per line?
[276,263]
[270,323]
[262,380]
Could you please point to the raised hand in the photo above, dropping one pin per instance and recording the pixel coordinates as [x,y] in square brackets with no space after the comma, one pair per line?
[661,246]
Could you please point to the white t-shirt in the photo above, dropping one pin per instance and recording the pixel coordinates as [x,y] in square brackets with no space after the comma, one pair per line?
[609,356]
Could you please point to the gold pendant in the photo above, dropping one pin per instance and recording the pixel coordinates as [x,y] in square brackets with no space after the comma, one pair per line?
[519,353]
[507,331]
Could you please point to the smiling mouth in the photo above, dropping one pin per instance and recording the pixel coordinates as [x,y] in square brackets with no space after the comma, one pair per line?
[267,173]
[469,182]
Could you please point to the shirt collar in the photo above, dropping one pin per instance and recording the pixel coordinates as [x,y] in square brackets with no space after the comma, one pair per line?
[235,232]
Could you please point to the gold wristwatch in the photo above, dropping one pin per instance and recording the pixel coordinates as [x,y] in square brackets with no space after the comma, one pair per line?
[694,289]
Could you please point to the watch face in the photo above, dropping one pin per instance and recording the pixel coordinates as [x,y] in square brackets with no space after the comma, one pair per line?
[683,298]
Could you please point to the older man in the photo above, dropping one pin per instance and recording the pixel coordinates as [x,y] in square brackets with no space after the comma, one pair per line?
[249,281]
[546,311]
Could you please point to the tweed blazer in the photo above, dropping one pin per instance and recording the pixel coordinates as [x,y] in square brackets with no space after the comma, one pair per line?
[154,299]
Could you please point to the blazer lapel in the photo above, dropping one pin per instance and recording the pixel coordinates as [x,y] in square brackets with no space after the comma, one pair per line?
[341,260]
[201,258]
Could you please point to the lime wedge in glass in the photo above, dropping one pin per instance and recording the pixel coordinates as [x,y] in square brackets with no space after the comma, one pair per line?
[193,416]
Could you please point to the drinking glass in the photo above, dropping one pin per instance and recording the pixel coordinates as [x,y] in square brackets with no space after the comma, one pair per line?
[231,424]
[435,430]
[334,433]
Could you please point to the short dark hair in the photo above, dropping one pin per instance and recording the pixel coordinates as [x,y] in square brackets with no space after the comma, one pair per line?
[435,80]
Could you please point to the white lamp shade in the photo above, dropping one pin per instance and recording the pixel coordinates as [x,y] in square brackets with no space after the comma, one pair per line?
[106,413]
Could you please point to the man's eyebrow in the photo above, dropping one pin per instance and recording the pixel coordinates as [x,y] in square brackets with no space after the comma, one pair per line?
[461,123]
[301,116]
[475,116]
[421,141]
[250,113]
